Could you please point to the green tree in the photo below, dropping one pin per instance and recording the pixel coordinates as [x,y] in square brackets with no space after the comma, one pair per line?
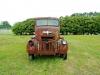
[24,27]
[5,25]
[80,24]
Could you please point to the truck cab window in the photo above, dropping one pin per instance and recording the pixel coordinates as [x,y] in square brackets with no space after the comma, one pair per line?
[50,22]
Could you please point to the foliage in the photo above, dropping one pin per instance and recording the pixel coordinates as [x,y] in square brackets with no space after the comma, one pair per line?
[86,14]
[5,25]
[24,27]
[80,24]
[77,23]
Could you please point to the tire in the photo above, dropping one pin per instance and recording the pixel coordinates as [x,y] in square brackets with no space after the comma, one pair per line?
[32,56]
[30,42]
[65,56]
[61,55]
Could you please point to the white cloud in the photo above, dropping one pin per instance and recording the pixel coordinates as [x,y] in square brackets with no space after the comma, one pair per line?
[17,10]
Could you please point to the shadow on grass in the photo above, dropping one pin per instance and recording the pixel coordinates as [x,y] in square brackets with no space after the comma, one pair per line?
[45,58]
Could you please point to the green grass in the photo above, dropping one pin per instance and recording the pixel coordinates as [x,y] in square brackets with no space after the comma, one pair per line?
[83,57]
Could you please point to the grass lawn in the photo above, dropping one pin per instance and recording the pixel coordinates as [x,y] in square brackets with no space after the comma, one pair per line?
[83,57]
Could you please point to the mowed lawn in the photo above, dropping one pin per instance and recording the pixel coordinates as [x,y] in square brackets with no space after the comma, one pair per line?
[83,57]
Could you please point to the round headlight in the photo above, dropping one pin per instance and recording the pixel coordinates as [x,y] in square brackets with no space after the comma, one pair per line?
[64,42]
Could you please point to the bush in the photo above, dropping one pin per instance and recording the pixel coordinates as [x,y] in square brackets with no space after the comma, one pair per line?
[24,27]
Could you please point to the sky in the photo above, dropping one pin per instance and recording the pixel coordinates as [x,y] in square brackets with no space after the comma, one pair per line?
[18,10]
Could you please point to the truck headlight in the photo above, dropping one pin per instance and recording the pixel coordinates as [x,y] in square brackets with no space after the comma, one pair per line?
[64,42]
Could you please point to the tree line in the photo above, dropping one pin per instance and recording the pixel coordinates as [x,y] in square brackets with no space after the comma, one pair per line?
[77,23]
[5,25]
[80,25]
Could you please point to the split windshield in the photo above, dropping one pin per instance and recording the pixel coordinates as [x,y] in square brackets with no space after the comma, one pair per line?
[50,22]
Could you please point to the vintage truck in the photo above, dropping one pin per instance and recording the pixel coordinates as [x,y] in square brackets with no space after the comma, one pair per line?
[47,39]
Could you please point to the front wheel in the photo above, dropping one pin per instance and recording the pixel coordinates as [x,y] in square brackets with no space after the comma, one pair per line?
[65,56]
[32,56]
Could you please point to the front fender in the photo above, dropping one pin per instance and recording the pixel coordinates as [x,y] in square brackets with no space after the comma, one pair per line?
[63,47]
[30,47]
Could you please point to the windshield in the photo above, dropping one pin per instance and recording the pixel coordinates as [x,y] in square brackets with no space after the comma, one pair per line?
[51,22]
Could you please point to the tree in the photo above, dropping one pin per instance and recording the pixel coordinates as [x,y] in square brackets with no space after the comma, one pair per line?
[77,23]
[80,24]
[5,25]
[24,27]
